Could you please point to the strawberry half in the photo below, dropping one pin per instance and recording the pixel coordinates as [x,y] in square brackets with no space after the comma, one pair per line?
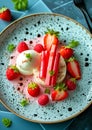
[60,93]
[50,38]
[5,14]
[71,83]
[12,73]
[33,89]
[73,68]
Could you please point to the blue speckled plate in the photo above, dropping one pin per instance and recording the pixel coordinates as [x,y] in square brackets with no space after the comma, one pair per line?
[69,29]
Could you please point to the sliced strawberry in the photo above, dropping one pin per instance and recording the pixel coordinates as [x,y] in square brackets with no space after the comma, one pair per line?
[73,68]
[5,14]
[50,38]
[39,48]
[71,83]
[66,52]
[60,93]
[12,73]
[33,89]
[22,46]
[43,100]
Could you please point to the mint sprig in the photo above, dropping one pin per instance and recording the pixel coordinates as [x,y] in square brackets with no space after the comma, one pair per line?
[29,56]
[11,47]
[6,122]
[51,72]
[20,4]
[73,44]
[24,102]
[47,90]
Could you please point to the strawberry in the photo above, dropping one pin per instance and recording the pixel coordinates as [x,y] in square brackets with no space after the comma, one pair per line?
[50,38]
[5,14]
[43,100]
[67,51]
[39,48]
[73,68]
[12,73]
[22,46]
[59,93]
[33,89]
[71,83]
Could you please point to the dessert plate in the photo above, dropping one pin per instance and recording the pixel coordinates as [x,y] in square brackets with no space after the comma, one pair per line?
[28,28]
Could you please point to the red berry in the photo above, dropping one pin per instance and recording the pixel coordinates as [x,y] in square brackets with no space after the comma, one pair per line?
[73,67]
[39,48]
[22,46]
[71,84]
[12,73]
[66,52]
[43,100]
[5,14]
[33,89]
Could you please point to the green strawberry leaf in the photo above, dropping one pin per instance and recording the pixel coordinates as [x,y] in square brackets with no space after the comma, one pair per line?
[60,87]
[32,85]
[52,32]
[14,68]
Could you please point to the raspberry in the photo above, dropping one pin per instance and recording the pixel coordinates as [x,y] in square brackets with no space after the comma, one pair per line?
[22,46]
[43,100]
[39,48]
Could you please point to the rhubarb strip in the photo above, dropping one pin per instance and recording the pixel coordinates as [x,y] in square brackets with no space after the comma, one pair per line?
[43,66]
[50,64]
[55,69]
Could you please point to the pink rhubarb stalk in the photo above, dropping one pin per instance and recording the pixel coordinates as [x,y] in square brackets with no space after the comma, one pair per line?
[43,66]
[55,69]
[50,64]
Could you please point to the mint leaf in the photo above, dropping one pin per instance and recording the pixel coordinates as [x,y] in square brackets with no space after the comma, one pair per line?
[24,102]
[29,56]
[6,122]
[47,90]
[20,4]
[11,47]
[73,44]
[51,72]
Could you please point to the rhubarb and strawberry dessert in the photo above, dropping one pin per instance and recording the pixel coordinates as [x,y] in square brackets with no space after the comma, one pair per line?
[44,69]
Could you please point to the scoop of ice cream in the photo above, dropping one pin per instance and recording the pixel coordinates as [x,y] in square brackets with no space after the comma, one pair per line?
[27,61]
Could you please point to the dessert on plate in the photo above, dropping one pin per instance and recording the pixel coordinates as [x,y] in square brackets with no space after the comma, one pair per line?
[44,69]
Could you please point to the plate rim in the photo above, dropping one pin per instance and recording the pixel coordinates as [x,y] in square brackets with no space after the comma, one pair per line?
[39,14]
